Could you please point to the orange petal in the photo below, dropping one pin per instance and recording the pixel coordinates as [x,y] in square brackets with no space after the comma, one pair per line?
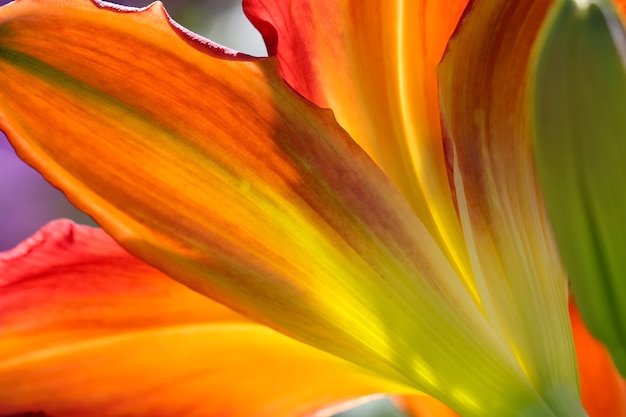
[603,389]
[374,64]
[88,330]
[424,406]
[214,171]
[483,81]
[621,7]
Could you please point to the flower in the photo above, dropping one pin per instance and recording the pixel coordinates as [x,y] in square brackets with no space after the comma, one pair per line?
[433,268]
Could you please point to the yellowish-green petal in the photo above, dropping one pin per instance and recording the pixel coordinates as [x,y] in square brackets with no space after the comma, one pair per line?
[520,281]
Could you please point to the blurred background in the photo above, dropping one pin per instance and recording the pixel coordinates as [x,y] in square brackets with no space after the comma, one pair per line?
[27,201]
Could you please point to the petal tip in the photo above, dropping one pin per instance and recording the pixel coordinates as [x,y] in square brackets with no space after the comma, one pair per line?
[58,234]
[61,230]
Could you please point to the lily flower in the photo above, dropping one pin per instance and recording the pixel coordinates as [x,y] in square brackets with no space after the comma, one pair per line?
[421,256]
[87,329]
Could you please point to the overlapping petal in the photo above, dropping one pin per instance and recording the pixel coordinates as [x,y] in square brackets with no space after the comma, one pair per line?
[423,406]
[603,390]
[88,330]
[65,269]
[374,64]
[483,82]
[206,165]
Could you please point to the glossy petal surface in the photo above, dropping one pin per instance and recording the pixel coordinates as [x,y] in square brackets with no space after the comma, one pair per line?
[214,171]
[88,330]
[483,82]
[374,64]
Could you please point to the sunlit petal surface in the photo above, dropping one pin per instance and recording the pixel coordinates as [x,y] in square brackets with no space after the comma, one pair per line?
[205,164]
[484,109]
[88,330]
[603,390]
[374,63]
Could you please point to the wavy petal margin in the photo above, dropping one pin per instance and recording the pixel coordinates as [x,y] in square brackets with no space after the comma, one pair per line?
[206,165]
[88,330]
[483,81]
[374,64]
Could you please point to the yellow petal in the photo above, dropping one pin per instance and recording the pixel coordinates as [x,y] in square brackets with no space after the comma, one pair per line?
[88,330]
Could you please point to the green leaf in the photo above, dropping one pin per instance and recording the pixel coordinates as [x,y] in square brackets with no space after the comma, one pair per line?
[579,101]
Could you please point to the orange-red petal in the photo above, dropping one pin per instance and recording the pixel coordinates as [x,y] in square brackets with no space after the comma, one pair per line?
[424,406]
[88,330]
[602,387]
[483,81]
[77,277]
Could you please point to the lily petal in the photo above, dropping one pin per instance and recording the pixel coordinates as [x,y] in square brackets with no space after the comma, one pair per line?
[483,83]
[424,406]
[215,172]
[87,329]
[603,390]
[65,269]
[374,64]
[602,387]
